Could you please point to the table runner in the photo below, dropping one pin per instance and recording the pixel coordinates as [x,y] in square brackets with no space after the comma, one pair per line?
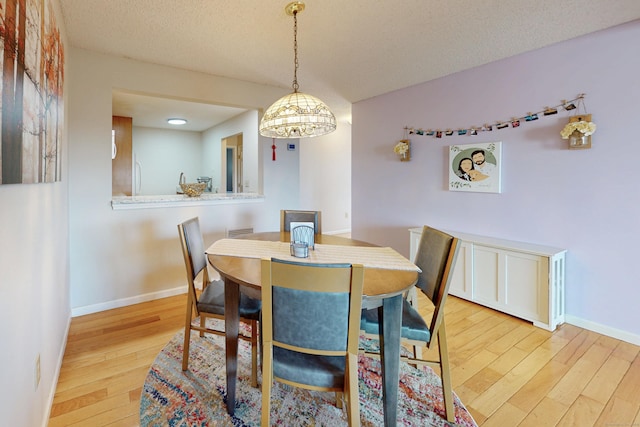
[369,256]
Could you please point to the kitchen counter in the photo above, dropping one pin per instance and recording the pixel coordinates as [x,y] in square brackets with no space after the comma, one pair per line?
[179,200]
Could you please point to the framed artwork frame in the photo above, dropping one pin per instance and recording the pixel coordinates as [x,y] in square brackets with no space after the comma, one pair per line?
[476,167]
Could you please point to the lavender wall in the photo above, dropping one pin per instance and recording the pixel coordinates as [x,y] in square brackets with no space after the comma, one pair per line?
[586,201]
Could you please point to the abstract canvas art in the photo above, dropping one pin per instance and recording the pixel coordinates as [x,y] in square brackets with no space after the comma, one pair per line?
[32,85]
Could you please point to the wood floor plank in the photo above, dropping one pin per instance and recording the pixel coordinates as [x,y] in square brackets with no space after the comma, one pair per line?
[583,412]
[113,384]
[618,412]
[533,340]
[511,338]
[626,351]
[580,374]
[606,380]
[506,415]
[576,347]
[90,414]
[629,388]
[536,389]
[462,372]
[488,335]
[546,413]
[508,385]
[78,402]
[636,421]
[508,360]
[483,380]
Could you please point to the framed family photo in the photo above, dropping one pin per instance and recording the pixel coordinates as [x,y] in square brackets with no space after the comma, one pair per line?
[475,167]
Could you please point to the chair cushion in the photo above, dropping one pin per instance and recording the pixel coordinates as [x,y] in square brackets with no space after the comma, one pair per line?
[212,301]
[320,371]
[315,320]
[413,325]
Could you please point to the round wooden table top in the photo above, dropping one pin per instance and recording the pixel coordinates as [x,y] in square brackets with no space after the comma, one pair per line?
[378,283]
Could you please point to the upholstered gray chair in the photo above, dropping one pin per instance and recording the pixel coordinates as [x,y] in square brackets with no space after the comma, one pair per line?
[288,216]
[436,256]
[210,303]
[310,329]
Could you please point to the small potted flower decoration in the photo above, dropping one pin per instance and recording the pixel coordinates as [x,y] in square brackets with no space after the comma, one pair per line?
[578,131]
[403,149]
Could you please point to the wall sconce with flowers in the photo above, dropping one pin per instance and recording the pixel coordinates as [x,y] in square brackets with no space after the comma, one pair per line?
[580,127]
[578,131]
[403,149]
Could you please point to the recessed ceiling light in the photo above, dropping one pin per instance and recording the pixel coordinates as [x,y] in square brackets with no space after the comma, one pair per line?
[176,121]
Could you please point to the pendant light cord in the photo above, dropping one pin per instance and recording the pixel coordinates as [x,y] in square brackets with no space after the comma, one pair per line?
[295,51]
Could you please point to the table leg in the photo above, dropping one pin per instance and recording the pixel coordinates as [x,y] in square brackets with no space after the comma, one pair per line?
[391,321]
[232,321]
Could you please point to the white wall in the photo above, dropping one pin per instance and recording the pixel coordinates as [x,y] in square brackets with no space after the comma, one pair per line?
[251,148]
[325,177]
[586,201]
[162,154]
[121,257]
[34,290]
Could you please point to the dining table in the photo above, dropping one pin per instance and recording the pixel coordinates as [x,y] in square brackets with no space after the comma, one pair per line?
[387,277]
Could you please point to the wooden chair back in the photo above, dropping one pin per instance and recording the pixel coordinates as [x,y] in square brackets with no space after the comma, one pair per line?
[436,257]
[287,216]
[195,260]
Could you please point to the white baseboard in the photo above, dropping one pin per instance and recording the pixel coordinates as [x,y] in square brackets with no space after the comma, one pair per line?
[95,308]
[603,329]
[56,376]
[345,231]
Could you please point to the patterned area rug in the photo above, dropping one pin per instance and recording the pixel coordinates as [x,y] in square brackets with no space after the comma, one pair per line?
[171,397]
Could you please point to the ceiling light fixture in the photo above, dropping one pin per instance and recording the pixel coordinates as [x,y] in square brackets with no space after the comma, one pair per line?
[297,115]
[176,121]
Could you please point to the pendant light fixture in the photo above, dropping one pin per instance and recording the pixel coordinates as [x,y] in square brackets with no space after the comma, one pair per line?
[297,115]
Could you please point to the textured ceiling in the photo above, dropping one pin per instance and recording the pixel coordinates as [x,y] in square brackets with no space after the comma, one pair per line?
[348,50]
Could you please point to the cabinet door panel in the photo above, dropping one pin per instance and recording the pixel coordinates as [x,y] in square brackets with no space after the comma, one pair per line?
[524,285]
[486,275]
[461,280]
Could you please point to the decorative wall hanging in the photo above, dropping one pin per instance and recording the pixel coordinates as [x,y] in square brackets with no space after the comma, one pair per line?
[403,147]
[514,122]
[403,150]
[32,84]
[579,129]
[475,167]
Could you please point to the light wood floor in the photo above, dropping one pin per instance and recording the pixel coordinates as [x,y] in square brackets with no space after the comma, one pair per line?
[506,371]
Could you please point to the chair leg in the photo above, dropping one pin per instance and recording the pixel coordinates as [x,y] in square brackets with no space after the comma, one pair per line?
[339,399]
[203,323]
[417,354]
[267,380]
[254,353]
[446,374]
[351,382]
[187,338]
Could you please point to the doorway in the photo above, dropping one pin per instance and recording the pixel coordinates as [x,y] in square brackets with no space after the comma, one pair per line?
[232,153]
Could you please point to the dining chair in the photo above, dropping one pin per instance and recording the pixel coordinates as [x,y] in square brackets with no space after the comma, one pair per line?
[287,216]
[436,256]
[310,329]
[210,302]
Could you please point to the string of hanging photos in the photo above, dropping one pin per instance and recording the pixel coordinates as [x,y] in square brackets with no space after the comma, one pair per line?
[514,122]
